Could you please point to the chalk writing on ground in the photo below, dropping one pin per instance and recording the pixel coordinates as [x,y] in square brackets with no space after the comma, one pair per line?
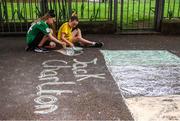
[46,99]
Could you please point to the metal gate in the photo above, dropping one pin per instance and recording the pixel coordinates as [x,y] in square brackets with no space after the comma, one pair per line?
[137,15]
[126,15]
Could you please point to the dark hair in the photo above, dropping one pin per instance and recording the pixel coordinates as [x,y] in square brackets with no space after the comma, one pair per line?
[51,13]
[74,18]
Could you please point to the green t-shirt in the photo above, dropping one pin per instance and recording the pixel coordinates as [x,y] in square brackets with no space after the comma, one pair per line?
[35,29]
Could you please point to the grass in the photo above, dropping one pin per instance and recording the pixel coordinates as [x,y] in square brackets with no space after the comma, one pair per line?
[135,13]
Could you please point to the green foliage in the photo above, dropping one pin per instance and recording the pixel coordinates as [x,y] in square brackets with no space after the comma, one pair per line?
[170,14]
[94,16]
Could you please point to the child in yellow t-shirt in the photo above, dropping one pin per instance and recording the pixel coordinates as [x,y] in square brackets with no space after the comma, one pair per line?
[69,34]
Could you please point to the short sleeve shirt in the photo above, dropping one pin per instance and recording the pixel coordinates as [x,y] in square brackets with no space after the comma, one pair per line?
[67,30]
[35,29]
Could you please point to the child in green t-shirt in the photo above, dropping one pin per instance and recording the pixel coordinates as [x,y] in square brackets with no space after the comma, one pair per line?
[39,33]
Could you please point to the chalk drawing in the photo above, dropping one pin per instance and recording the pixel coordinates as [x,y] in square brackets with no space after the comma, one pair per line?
[50,74]
[137,57]
[56,64]
[147,79]
[78,64]
[85,77]
[81,67]
[57,92]
[45,103]
[45,106]
[69,52]
[148,73]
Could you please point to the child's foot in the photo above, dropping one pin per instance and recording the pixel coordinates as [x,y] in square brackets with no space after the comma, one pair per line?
[40,50]
[97,44]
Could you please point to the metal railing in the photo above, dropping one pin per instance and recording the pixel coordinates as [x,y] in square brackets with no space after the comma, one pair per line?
[137,14]
[16,15]
[171,9]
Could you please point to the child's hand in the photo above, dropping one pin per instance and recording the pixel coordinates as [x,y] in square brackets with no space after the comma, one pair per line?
[63,44]
[71,44]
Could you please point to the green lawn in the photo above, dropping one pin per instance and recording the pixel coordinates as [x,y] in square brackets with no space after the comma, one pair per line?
[135,12]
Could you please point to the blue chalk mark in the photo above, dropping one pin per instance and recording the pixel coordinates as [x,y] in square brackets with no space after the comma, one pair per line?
[140,57]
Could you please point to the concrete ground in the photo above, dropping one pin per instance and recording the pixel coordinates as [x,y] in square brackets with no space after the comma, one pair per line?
[51,86]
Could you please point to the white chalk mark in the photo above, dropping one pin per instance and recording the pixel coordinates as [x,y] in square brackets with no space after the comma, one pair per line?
[46,109]
[84,77]
[75,72]
[55,64]
[54,79]
[46,104]
[57,92]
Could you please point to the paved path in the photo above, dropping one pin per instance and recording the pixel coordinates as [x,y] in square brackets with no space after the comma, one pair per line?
[52,86]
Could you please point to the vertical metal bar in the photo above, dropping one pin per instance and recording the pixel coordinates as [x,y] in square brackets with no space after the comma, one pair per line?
[18,12]
[159,14]
[25,13]
[88,9]
[2,24]
[70,7]
[144,13]
[8,22]
[105,5]
[94,7]
[50,4]
[13,14]
[110,7]
[127,17]
[8,14]
[1,17]
[44,6]
[168,9]
[149,16]
[108,11]
[33,8]
[133,13]
[82,8]
[115,13]
[179,8]
[6,10]
[122,14]
[76,5]
[139,5]
[99,9]
[59,12]
[174,8]
[30,7]
[36,4]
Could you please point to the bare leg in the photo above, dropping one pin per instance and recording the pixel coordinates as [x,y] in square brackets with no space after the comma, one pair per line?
[44,39]
[77,36]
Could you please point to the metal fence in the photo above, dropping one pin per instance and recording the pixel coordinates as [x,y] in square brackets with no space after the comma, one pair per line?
[137,14]
[16,15]
[171,9]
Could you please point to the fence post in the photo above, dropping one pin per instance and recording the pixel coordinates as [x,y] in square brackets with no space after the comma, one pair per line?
[121,16]
[70,7]
[110,9]
[115,13]
[43,6]
[159,12]
[1,18]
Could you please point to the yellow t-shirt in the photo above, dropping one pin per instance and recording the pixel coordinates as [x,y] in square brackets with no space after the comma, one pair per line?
[65,28]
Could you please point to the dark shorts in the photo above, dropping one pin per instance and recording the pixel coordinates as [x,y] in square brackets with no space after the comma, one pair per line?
[37,40]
